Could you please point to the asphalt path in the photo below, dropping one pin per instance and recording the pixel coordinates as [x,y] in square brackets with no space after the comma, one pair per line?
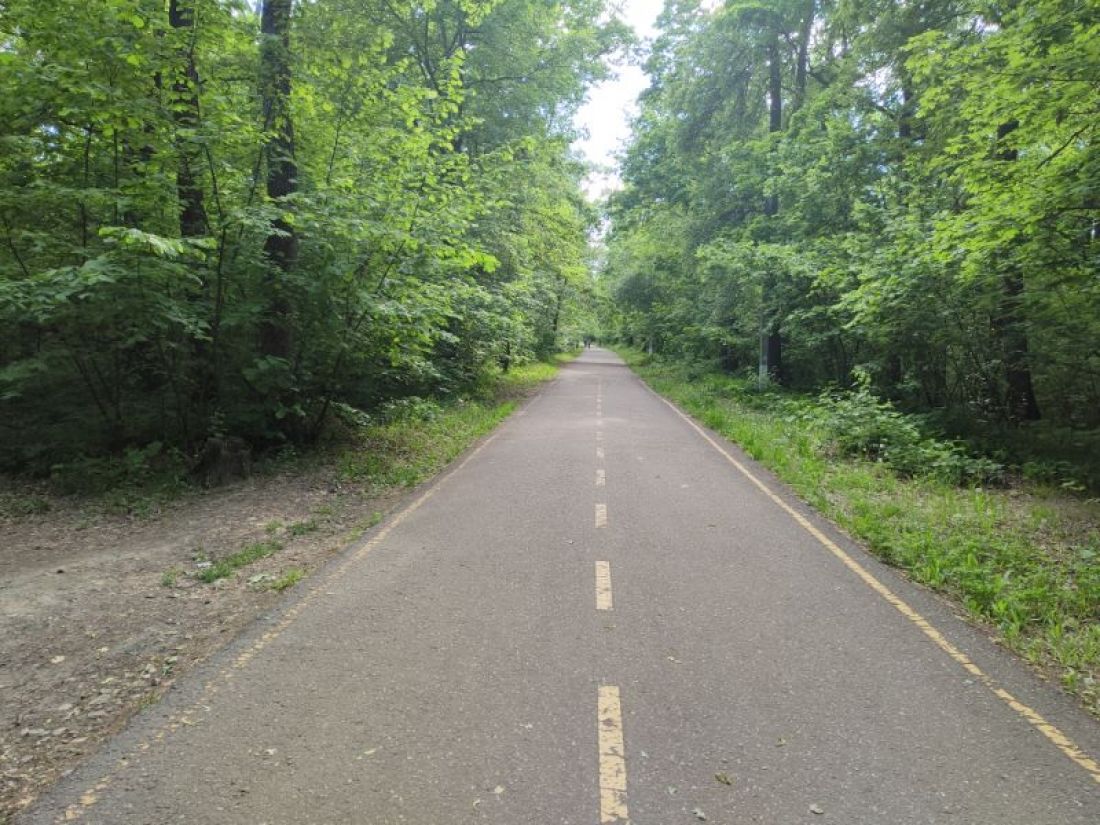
[602,614]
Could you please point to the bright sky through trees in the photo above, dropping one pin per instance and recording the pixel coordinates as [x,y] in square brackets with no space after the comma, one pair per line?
[610,105]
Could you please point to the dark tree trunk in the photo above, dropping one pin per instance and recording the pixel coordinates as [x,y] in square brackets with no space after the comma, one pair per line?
[185,115]
[1020,401]
[893,372]
[802,66]
[1010,324]
[905,114]
[775,87]
[727,359]
[281,246]
[774,349]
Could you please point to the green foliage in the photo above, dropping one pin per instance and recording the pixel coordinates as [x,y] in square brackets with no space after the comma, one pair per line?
[242,558]
[169,578]
[902,191]
[410,409]
[415,444]
[136,482]
[860,424]
[302,528]
[153,289]
[288,579]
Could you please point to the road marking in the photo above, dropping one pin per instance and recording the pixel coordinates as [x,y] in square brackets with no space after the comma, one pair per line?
[1066,745]
[601,478]
[599,435]
[601,515]
[609,726]
[599,453]
[603,585]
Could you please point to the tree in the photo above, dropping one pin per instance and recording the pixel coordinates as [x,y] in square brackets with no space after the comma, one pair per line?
[898,190]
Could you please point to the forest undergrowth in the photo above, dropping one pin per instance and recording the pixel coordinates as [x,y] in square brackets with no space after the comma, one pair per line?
[402,444]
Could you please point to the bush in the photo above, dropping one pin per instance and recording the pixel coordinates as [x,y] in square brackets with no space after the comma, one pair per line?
[137,467]
[861,424]
[412,408]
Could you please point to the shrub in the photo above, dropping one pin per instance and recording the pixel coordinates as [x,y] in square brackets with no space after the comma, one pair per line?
[861,424]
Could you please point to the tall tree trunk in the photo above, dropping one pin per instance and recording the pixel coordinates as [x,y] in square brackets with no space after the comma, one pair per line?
[281,246]
[802,65]
[905,115]
[771,342]
[893,370]
[183,104]
[185,115]
[1010,324]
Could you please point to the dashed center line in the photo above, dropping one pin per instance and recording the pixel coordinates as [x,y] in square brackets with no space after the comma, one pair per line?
[599,453]
[603,585]
[601,515]
[601,478]
[609,725]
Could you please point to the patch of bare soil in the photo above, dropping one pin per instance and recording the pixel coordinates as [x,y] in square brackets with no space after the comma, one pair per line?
[99,614]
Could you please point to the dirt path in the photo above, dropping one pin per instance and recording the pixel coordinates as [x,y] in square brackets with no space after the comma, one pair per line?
[100,613]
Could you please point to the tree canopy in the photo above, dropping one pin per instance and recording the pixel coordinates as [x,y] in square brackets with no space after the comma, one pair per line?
[229,218]
[903,194]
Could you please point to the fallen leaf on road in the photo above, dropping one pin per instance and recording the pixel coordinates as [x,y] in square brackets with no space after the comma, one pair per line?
[723,778]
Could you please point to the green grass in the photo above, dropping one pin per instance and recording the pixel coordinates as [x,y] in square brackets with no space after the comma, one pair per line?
[288,579]
[242,558]
[302,528]
[1024,559]
[15,504]
[406,451]
[168,579]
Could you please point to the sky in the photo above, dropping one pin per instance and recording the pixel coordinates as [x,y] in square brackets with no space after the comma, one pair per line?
[610,105]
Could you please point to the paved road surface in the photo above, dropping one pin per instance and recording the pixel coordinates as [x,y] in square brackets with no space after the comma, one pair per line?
[597,617]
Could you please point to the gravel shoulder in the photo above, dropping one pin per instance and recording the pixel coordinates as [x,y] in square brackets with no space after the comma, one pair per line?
[101,613]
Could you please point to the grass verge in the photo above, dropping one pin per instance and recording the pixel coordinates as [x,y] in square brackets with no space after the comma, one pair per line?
[288,579]
[242,558]
[414,441]
[1021,557]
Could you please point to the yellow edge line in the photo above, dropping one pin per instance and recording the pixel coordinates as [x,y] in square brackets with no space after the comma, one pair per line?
[182,718]
[1033,717]
[609,729]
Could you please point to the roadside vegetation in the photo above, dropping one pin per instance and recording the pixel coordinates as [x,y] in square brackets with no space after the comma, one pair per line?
[405,442]
[235,227]
[1015,545]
